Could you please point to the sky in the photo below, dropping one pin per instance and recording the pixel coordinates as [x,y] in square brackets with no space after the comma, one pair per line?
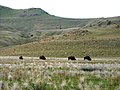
[70,8]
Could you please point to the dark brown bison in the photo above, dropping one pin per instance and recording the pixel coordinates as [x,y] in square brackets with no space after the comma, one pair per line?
[42,57]
[21,57]
[31,35]
[71,58]
[87,58]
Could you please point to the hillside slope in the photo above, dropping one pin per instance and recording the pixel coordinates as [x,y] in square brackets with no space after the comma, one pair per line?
[25,23]
[97,43]
[34,32]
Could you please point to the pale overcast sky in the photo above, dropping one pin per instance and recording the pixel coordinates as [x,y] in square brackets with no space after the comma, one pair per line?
[70,8]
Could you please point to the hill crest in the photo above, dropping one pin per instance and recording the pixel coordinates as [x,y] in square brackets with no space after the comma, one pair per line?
[9,12]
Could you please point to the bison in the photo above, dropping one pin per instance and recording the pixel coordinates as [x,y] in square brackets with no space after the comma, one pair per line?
[87,58]
[42,57]
[71,58]
[21,57]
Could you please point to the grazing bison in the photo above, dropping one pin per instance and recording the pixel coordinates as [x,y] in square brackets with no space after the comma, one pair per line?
[71,58]
[87,58]
[31,35]
[42,57]
[21,57]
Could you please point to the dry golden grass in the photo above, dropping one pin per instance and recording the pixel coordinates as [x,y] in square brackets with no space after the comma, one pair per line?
[97,43]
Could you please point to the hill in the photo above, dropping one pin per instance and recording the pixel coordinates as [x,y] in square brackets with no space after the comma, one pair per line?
[9,12]
[95,42]
[24,23]
[34,32]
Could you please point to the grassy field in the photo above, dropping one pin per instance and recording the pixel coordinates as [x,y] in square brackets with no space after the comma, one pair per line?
[97,43]
[33,32]
[57,74]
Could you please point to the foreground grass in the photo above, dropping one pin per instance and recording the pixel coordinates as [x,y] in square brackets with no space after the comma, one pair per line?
[36,74]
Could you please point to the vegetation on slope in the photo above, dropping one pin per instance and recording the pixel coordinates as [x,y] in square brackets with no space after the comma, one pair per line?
[25,22]
[97,43]
[35,32]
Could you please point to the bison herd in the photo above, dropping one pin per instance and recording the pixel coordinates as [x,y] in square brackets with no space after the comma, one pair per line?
[87,57]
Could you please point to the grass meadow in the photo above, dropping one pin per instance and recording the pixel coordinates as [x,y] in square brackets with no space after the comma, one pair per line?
[96,42]
[102,73]
[59,74]
[33,32]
